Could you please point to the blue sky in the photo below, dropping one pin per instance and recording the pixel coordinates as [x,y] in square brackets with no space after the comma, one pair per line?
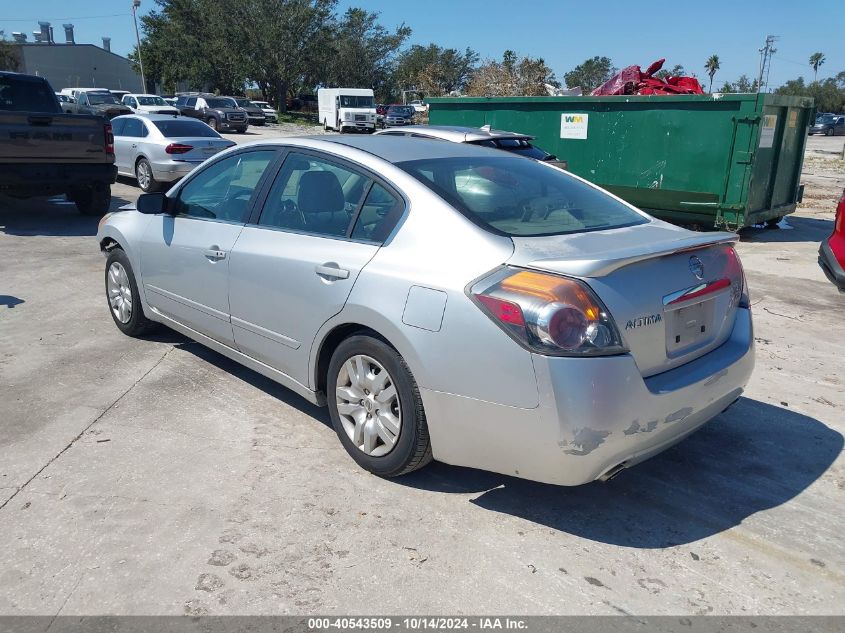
[564,33]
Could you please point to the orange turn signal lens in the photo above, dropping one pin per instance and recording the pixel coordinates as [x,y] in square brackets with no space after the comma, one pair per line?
[552,288]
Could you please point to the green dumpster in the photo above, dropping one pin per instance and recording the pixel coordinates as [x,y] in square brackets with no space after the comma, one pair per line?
[723,161]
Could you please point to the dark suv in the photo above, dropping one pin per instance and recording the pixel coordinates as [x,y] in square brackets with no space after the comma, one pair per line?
[221,113]
[253,112]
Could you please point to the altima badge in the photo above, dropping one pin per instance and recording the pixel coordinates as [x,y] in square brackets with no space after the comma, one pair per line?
[643,321]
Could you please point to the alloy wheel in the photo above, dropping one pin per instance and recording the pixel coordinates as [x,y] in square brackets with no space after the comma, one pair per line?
[144,175]
[119,292]
[368,405]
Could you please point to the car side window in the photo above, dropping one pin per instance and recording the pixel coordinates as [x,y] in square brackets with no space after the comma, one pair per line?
[223,190]
[132,128]
[313,195]
[192,102]
[379,214]
[117,126]
[83,99]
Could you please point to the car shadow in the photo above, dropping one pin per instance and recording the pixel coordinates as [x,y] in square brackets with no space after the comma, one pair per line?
[9,301]
[753,457]
[791,229]
[253,378]
[53,216]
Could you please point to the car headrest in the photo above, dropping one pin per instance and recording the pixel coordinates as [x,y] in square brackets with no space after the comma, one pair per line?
[320,192]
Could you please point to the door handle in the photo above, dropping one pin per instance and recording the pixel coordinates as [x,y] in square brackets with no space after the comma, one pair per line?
[332,271]
[214,253]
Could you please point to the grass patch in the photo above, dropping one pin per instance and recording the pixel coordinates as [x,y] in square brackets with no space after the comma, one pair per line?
[302,118]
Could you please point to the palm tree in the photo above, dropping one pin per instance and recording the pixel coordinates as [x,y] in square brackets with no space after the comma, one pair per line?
[711,67]
[816,60]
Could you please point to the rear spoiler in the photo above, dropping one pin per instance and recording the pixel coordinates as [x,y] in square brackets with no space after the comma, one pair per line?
[602,264]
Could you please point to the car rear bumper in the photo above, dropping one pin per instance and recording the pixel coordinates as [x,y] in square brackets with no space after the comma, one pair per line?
[173,170]
[595,414]
[831,266]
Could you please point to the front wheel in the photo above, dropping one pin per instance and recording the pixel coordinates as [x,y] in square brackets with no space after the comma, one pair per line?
[376,408]
[122,296]
[212,123]
[828,133]
[144,176]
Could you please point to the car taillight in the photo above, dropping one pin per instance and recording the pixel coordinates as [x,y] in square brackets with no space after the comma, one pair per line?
[546,313]
[178,148]
[839,224]
[109,138]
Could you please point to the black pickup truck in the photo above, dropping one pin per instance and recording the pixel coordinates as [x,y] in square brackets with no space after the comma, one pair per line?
[45,152]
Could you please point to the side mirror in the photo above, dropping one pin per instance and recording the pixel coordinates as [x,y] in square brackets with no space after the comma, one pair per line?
[151,203]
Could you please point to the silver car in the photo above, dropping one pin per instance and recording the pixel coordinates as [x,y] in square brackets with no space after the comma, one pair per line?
[158,149]
[446,301]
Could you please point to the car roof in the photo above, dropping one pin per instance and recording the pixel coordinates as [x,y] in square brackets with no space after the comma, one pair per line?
[460,134]
[398,149]
[148,116]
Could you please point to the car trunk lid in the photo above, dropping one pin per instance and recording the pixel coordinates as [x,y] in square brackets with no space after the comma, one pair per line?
[672,294]
[201,148]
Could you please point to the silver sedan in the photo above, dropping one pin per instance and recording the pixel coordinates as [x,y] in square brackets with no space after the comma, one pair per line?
[446,301]
[158,149]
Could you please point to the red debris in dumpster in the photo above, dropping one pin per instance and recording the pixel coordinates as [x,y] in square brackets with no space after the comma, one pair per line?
[633,81]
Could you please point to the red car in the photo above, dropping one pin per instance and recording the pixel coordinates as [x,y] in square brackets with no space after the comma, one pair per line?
[832,250]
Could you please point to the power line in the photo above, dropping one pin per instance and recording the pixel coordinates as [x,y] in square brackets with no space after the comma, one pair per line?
[84,17]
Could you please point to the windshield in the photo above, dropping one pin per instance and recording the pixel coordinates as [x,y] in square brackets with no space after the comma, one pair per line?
[349,101]
[245,103]
[522,198]
[221,102]
[97,98]
[406,110]
[182,128]
[827,118]
[150,101]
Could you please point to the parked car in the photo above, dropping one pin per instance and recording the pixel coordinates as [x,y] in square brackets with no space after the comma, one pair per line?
[254,113]
[170,100]
[418,106]
[832,250]
[65,102]
[508,141]
[270,113]
[829,125]
[46,151]
[306,103]
[445,301]
[152,104]
[221,113]
[399,115]
[100,102]
[158,149]
[381,112]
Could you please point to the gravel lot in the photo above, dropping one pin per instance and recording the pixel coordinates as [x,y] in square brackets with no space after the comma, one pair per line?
[156,477]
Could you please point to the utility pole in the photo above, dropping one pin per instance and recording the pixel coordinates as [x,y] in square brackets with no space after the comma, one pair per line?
[135,5]
[765,61]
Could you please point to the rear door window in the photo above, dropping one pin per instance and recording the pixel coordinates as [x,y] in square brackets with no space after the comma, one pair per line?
[379,214]
[133,128]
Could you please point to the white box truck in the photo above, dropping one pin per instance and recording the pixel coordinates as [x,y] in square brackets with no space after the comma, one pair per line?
[344,109]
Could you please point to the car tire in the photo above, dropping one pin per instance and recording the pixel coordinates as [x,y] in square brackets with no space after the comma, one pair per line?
[144,176]
[120,282]
[325,125]
[828,132]
[212,123]
[411,447]
[92,201]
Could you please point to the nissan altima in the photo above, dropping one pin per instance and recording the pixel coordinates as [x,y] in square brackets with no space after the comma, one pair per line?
[445,301]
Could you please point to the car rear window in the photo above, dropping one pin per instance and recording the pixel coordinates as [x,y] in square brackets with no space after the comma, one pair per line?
[26,95]
[181,128]
[510,195]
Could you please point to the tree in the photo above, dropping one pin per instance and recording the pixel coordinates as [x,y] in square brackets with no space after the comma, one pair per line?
[511,77]
[433,70]
[743,84]
[711,66]
[9,54]
[816,60]
[590,74]
[828,96]
[363,52]
[676,71]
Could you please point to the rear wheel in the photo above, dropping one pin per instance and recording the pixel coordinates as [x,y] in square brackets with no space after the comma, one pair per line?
[376,408]
[122,296]
[145,177]
[93,200]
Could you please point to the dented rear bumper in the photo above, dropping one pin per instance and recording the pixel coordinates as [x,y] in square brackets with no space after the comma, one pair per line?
[594,413]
